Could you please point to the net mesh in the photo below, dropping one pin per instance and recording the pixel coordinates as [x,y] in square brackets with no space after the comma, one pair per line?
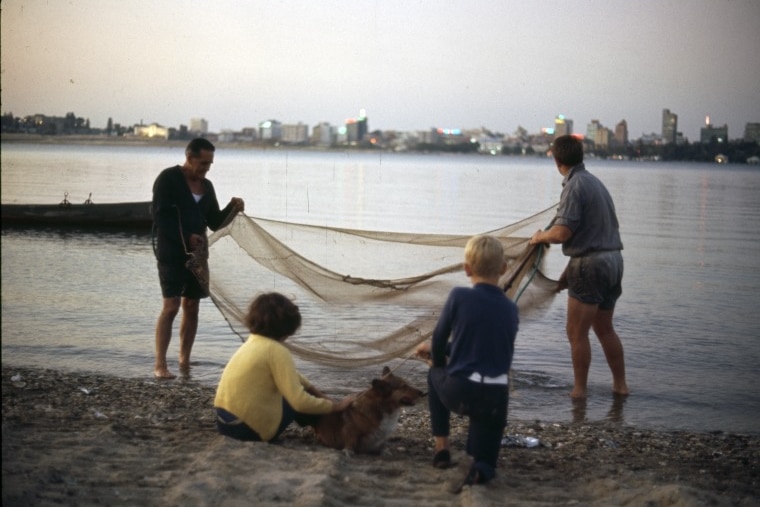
[366,297]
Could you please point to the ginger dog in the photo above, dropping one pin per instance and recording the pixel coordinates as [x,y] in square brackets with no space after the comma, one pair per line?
[372,417]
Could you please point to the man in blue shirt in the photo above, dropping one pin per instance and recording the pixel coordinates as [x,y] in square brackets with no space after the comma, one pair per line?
[470,354]
[587,227]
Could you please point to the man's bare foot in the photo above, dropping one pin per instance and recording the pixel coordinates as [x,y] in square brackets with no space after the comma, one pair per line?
[621,393]
[163,374]
[184,369]
[578,394]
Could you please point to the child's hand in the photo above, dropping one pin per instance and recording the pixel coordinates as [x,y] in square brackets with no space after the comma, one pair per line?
[340,406]
[423,352]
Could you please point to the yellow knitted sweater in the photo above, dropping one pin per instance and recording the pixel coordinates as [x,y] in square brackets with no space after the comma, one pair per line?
[256,379]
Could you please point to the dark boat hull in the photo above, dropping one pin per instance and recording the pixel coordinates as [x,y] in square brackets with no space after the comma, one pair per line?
[121,215]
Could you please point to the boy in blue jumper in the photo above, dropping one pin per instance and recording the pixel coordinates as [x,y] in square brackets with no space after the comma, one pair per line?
[470,354]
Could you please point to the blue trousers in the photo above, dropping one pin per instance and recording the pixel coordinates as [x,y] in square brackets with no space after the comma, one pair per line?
[229,425]
[484,404]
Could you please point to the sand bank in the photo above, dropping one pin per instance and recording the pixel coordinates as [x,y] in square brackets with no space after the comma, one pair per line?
[80,439]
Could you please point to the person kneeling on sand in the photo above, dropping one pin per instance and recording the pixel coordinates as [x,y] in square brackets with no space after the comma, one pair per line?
[261,392]
[482,324]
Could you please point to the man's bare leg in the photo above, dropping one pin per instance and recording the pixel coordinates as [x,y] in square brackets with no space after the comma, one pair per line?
[579,319]
[613,350]
[187,330]
[164,336]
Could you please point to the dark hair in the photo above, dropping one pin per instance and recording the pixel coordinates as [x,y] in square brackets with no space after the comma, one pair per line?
[273,315]
[568,150]
[197,145]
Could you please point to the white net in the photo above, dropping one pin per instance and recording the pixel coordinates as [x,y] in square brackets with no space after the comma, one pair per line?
[365,296]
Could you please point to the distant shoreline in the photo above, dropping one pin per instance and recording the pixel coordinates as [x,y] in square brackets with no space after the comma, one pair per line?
[100,140]
[90,140]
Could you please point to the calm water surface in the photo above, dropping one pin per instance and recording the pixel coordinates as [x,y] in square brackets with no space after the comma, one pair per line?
[78,300]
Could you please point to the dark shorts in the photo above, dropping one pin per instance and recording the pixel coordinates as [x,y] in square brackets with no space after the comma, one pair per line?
[230,425]
[596,278]
[178,281]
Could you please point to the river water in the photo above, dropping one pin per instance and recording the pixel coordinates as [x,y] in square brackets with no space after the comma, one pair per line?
[87,301]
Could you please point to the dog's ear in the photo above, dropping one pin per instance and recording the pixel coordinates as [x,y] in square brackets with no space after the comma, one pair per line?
[386,371]
[382,387]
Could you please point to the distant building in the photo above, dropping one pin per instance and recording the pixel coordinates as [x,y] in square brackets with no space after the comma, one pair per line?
[602,138]
[450,137]
[431,136]
[227,136]
[669,127]
[488,142]
[295,134]
[323,134]
[598,135]
[621,133]
[592,128]
[356,128]
[752,132]
[562,126]
[710,133]
[650,139]
[270,130]
[152,130]
[198,127]
[248,134]
[341,135]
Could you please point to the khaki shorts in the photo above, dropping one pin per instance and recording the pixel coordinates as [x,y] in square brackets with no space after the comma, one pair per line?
[596,278]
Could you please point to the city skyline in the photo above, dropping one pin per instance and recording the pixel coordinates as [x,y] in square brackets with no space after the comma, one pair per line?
[412,66]
[667,135]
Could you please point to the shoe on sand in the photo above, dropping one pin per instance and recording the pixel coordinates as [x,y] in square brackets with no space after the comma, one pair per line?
[442,459]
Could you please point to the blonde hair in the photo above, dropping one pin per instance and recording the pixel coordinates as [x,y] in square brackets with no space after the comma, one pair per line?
[485,256]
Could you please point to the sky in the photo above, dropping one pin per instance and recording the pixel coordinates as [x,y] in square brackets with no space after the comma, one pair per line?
[410,64]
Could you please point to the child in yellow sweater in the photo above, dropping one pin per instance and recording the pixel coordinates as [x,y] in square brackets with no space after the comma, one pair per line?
[261,392]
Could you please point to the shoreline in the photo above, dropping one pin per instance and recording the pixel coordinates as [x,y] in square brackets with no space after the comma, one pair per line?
[74,438]
[103,140]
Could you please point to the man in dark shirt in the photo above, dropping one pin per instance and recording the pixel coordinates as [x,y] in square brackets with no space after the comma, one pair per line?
[184,205]
[586,224]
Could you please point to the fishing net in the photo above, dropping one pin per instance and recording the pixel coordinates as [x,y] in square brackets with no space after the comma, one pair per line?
[366,297]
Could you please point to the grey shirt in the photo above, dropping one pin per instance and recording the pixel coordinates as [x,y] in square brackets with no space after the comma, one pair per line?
[586,208]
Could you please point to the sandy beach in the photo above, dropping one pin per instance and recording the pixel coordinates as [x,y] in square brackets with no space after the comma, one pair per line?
[80,439]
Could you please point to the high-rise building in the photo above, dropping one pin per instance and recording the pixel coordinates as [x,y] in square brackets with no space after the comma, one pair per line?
[710,133]
[602,138]
[356,128]
[752,132]
[591,130]
[669,127]
[562,126]
[598,135]
[198,126]
[621,133]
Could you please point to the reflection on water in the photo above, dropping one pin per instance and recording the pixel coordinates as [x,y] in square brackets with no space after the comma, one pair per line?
[614,414]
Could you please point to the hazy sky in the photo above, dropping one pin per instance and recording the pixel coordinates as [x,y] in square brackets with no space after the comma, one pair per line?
[412,64]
